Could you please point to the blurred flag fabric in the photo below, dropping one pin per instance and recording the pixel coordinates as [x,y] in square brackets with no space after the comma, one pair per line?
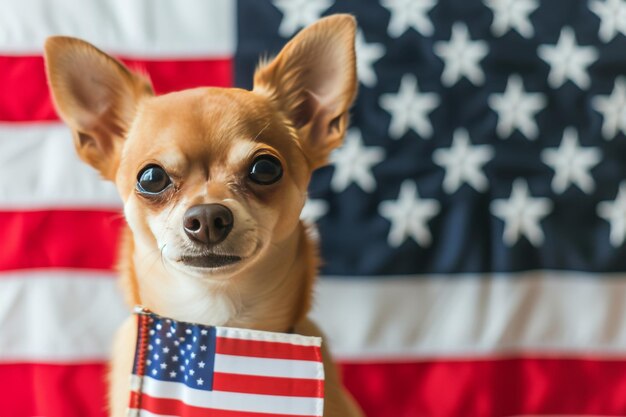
[472,225]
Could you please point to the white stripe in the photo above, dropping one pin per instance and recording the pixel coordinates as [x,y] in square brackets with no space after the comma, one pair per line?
[144,413]
[303,406]
[284,368]
[58,316]
[141,28]
[39,168]
[472,315]
[256,335]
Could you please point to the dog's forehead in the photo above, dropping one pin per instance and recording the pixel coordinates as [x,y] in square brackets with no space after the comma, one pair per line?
[206,121]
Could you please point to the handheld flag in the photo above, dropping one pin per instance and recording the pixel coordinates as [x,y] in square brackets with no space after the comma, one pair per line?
[184,369]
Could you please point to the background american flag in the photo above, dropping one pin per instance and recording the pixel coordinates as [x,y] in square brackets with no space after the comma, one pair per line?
[472,225]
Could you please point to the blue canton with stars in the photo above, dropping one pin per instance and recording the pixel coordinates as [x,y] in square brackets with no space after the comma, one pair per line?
[488,136]
[180,352]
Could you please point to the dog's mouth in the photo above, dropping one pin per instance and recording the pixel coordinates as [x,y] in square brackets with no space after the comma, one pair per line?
[210,260]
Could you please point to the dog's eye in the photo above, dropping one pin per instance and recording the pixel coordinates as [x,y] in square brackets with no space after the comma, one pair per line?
[152,180]
[265,170]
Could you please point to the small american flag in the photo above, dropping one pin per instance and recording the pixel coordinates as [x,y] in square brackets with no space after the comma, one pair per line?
[195,370]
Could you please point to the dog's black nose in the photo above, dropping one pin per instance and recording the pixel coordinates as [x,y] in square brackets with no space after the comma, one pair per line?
[208,223]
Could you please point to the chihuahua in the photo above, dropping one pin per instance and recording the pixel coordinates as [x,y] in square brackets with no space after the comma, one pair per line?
[213,181]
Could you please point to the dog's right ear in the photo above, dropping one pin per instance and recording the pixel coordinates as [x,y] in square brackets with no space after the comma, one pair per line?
[96,96]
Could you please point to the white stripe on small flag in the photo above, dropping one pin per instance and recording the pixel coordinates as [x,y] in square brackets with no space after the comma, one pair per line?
[231,400]
[281,368]
[146,413]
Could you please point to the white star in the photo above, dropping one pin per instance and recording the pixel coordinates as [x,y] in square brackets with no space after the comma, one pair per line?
[157,341]
[299,13]
[163,366]
[175,358]
[613,109]
[313,210]
[154,372]
[512,14]
[193,355]
[166,349]
[366,55]
[516,109]
[173,374]
[612,14]
[406,14]
[409,215]
[201,364]
[200,381]
[168,334]
[159,326]
[203,348]
[353,163]
[188,331]
[461,57]
[615,213]
[204,332]
[567,60]
[156,356]
[463,163]
[191,372]
[409,109]
[521,214]
[571,163]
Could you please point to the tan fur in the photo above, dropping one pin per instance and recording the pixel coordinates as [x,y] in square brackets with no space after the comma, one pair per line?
[206,139]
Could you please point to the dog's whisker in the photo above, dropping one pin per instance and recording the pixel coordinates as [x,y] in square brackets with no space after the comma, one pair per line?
[261,131]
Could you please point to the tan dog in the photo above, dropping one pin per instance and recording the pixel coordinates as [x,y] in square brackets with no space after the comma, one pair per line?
[213,181]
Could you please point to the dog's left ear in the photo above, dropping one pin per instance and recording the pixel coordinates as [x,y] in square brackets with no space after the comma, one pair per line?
[313,81]
[96,96]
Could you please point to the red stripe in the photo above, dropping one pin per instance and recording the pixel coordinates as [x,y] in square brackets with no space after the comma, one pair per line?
[178,408]
[273,350]
[59,239]
[26,96]
[29,390]
[472,388]
[490,388]
[250,384]
[135,400]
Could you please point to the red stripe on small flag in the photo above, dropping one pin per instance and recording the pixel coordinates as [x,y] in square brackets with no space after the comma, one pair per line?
[59,239]
[26,96]
[29,390]
[135,400]
[172,407]
[261,349]
[251,384]
[467,387]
